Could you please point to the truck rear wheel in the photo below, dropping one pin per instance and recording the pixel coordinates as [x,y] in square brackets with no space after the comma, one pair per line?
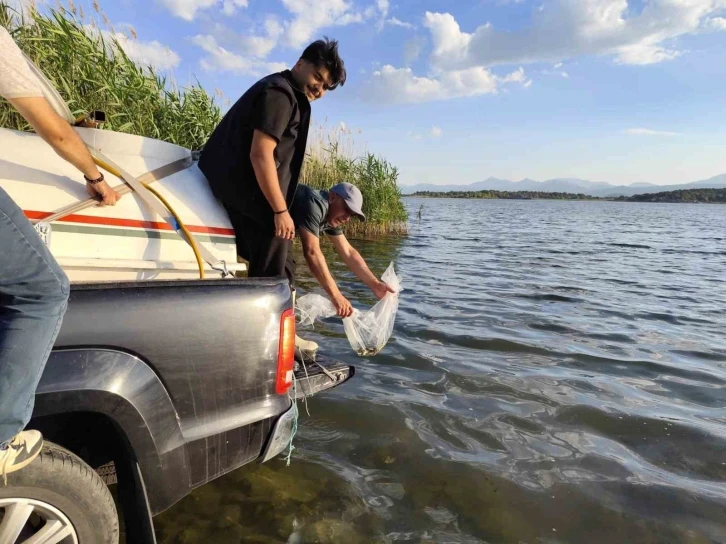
[57,499]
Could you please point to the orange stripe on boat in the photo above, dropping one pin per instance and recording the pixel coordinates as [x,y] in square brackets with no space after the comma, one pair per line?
[133,223]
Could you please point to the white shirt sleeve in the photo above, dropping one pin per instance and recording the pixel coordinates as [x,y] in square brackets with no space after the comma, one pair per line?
[16,78]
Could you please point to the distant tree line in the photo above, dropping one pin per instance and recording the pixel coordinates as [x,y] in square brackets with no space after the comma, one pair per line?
[509,195]
[682,195]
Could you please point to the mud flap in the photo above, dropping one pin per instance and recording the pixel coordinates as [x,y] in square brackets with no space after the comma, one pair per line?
[280,436]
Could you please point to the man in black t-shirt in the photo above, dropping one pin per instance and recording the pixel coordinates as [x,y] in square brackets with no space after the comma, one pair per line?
[324,212]
[254,157]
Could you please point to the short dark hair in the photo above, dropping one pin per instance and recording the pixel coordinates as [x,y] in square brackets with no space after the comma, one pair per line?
[324,54]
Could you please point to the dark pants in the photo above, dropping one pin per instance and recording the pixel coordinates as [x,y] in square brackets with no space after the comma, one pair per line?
[33,298]
[267,255]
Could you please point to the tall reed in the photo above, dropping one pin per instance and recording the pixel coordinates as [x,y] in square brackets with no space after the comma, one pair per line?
[333,157]
[92,72]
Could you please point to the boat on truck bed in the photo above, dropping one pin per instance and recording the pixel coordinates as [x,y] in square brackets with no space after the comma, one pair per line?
[127,241]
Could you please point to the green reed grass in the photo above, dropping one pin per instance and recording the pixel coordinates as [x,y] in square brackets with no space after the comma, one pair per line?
[333,157]
[92,72]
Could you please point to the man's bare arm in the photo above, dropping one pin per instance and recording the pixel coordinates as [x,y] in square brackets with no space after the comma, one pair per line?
[262,155]
[319,267]
[357,264]
[63,139]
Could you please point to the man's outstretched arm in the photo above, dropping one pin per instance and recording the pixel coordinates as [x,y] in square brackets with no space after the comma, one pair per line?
[357,264]
[319,267]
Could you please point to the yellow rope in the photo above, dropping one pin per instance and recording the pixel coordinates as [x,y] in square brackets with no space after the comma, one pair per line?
[190,238]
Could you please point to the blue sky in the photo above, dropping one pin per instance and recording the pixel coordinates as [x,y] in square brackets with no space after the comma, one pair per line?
[457,91]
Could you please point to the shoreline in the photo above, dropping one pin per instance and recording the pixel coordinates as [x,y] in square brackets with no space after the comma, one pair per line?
[681,196]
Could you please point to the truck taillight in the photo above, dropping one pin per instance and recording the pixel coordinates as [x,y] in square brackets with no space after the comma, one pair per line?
[286,352]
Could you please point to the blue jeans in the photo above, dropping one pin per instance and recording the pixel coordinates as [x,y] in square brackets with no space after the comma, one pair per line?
[33,298]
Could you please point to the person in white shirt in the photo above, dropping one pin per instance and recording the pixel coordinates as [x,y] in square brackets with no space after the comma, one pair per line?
[33,287]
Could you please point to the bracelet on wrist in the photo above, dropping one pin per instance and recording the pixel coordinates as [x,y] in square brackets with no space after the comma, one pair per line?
[94,181]
[281,211]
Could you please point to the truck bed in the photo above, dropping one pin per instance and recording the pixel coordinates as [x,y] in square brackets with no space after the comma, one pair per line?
[185,369]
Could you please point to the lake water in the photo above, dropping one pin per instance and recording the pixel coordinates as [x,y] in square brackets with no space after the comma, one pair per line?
[557,373]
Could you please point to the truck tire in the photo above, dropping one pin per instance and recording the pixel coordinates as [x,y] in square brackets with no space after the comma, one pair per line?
[65,496]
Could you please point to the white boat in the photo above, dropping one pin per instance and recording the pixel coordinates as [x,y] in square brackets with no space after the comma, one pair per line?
[129,240]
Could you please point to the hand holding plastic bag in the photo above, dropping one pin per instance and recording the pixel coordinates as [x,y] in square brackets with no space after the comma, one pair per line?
[367,331]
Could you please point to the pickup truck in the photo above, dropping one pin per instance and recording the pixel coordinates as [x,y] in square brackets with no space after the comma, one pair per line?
[162,386]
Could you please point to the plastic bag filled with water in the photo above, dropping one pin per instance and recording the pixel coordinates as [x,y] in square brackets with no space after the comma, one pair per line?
[367,331]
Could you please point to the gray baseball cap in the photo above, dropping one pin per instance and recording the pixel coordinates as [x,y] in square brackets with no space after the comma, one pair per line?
[352,196]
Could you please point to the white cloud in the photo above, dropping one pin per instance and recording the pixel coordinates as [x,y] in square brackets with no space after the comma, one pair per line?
[560,73]
[257,42]
[557,71]
[645,54]
[648,132]
[413,48]
[564,29]
[393,21]
[187,9]
[152,53]
[261,46]
[383,6]
[448,39]
[272,67]
[461,62]
[401,85]
[312,15]
[230,6]
[436,132]
[219,59]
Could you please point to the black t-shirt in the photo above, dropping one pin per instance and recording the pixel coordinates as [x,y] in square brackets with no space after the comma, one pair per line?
[308,212]
[274,106]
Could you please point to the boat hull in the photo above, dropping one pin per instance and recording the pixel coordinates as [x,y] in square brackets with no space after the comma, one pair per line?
[126,241]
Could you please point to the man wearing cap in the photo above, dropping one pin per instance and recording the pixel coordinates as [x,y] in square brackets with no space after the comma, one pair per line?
[325,212]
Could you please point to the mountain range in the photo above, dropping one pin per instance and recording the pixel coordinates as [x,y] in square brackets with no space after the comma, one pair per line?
[568,185]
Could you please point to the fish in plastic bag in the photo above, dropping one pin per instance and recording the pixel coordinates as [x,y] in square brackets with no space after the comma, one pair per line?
[367,331]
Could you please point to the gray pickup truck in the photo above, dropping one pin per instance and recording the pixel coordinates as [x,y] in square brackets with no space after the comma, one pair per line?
[161,386]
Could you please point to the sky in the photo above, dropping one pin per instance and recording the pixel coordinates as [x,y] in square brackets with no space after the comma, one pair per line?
[453,92]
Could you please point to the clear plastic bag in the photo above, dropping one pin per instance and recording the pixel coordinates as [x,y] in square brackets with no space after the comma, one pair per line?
[367,331]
